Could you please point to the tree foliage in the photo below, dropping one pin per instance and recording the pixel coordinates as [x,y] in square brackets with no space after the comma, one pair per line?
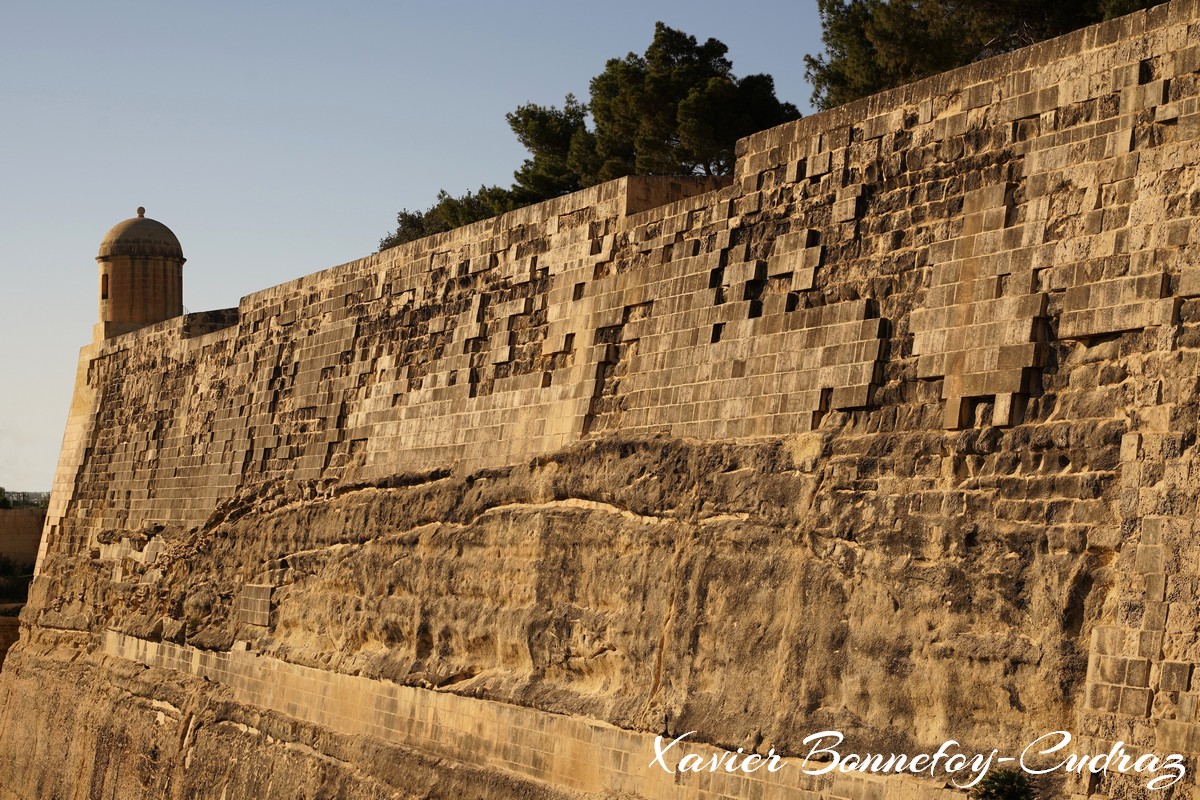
[873,45]
[677,109]
[448,213]
[547,133]
[1005,784]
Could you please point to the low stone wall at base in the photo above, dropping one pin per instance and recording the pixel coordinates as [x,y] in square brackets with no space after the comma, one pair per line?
[570,752]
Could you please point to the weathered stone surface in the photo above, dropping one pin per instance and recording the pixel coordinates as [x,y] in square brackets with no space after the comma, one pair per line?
[893,434]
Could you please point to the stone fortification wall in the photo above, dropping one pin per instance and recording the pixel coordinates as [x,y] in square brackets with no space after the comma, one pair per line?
[455,351]
[894,434]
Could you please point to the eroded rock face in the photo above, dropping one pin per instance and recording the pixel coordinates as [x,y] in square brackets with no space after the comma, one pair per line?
[892,435]
[658,585]
[652,584]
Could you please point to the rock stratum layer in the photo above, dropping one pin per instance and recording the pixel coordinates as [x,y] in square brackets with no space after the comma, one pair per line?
[894,434]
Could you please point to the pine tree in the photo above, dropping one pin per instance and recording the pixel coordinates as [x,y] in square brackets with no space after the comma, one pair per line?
[873,45]
[677,109]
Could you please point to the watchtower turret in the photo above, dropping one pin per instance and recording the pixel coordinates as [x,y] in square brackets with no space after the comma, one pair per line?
[141,276]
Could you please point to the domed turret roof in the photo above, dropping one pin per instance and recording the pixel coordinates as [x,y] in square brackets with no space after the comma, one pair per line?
[140,237]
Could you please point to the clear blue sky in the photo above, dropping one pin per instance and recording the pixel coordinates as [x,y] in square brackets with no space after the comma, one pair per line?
[275,139]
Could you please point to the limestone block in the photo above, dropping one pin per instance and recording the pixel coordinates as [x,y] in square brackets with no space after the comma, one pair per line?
[254,605]
[745,271]
[1175,676]
[819,164]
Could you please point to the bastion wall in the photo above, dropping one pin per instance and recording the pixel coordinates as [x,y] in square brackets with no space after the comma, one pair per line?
[894,433]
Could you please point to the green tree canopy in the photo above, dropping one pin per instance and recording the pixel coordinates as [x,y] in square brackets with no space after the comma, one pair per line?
[677,109]
[1005,784]
[547,133]
[873,45]
[448,213]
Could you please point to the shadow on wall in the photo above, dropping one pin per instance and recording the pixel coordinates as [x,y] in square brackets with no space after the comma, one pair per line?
[15,578]
[20,534]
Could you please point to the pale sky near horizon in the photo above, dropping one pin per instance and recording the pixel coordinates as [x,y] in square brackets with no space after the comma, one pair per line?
[275,140]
